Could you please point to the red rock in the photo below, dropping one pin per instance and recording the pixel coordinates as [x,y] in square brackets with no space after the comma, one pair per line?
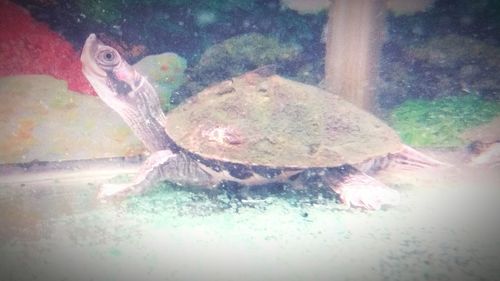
[30,47]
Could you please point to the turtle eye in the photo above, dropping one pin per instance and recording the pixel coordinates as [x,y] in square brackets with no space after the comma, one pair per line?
[108,58]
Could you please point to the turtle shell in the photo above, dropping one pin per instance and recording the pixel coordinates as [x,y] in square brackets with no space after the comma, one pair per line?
[276,122]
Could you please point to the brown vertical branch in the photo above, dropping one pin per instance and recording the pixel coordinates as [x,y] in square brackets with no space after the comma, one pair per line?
[354,39]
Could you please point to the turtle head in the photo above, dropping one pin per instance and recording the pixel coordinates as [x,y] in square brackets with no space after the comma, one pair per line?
[125,90]
[110,75]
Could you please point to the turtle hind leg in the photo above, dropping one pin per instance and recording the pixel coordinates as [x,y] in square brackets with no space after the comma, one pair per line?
[160,165]
[357,189]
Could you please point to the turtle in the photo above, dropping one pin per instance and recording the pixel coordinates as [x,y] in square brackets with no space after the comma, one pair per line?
[253,129]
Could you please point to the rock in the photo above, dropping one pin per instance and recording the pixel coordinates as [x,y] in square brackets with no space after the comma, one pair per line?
[166,73]
[484,154]
[304,7]
[245,52]
[439,66]
[234,56]
[30,47]
[487,133]
[466,62]
[40,119]
[484,144]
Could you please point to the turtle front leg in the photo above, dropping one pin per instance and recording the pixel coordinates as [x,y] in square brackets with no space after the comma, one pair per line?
[160,165]
[357,189]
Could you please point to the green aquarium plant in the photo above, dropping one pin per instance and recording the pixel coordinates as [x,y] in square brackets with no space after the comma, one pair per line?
[439,123]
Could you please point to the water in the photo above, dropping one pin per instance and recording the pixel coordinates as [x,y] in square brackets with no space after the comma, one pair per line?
[431,76]
[56,230]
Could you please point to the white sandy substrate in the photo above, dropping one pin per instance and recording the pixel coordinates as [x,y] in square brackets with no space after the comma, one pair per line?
[52,228]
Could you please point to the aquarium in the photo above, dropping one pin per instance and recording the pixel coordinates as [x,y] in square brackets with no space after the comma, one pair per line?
[249,140]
